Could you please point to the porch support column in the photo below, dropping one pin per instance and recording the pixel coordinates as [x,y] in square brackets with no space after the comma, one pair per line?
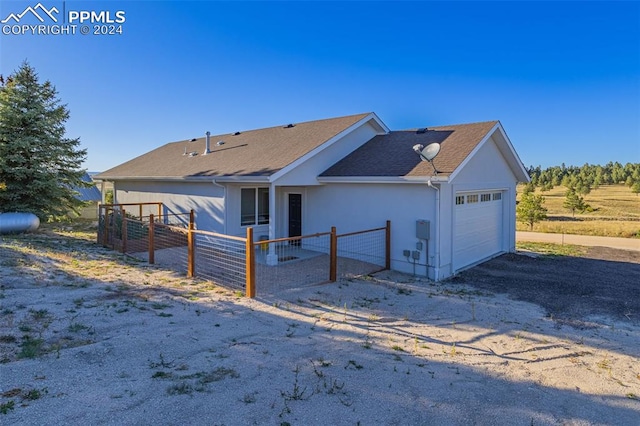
[272,257]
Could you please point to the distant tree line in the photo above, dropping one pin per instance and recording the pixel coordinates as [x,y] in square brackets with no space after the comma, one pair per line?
[585,178]
[578,181]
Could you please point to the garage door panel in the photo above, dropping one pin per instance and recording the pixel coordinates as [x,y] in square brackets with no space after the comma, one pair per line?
[477,231]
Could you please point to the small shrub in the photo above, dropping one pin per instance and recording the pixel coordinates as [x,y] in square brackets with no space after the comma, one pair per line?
[6,406]
[33,394]
[161,375]
[31,348]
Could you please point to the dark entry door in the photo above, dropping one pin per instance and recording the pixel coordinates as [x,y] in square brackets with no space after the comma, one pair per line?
[295,216]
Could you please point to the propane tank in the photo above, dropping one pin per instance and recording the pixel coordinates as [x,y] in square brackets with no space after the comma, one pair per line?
[18,222]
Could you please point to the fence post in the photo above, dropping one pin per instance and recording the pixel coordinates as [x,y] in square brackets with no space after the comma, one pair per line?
[152,251]
[333,255]
[99,227]
[124,231]
[192,218]
[251,265]
[159,212]
[105,237]
[191,252]
[387,247]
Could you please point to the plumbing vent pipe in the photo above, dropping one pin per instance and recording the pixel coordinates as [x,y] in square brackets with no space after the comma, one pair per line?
[207,148]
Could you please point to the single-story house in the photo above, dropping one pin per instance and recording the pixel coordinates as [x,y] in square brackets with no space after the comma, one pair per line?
[351,172]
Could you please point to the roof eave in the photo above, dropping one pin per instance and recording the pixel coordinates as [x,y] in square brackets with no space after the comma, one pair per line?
[242,179]
[383,179]
[184,178]
[523,175]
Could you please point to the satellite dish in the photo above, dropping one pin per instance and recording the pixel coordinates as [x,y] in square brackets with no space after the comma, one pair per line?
[428,153]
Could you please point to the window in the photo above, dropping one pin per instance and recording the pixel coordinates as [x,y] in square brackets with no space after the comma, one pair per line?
[472,198]
[485,197]
[459,199]
[254,204]
[497,196]
[263,206]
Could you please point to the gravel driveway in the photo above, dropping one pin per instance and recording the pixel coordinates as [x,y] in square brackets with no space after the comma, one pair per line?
[604,282]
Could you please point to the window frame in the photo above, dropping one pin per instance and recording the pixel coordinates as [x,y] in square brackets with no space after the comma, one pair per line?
[260,215]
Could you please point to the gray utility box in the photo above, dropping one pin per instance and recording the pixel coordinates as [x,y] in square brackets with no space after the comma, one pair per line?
[423,229]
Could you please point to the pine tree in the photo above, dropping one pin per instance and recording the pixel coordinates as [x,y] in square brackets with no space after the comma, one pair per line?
[530,209]
[574,202]
[529,187]
[629,181]
[39,166]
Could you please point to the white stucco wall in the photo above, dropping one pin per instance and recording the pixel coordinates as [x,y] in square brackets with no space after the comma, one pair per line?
[355,207]
[206,199]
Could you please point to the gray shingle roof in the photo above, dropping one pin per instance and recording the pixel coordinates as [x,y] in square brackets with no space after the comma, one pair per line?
[253,153]
[392,155]
[91,193]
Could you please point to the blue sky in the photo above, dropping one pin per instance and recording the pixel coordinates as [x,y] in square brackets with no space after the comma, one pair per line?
[562,77]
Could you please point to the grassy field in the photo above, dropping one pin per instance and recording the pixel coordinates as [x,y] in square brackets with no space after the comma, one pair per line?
[550,249]
[614,212]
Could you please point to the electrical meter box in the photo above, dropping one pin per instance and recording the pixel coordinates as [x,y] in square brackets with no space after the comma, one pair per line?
[422,229]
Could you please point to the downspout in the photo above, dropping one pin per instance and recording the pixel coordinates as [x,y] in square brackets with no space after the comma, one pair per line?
[224,206]
[436,266]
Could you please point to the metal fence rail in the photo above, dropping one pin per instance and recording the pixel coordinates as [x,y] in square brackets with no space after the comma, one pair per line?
[286,263]
[361,253]
[154,238]
[168,246]
[240,263]
[220,258]
[174,219]
[137,236]
[110,227]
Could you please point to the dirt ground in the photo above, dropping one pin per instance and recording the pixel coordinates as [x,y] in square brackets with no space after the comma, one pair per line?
[604,282]
[90,337]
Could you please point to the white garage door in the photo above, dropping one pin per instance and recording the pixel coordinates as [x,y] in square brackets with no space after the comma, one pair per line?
[478,227]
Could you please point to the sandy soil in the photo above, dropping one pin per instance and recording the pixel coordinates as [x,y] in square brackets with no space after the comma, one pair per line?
[89,337]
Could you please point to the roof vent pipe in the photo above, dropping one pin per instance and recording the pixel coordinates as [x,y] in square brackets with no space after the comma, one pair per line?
[207,148]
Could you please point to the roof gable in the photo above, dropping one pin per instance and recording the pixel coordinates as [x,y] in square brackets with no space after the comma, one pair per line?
[504,146]
[254,153]
[392,155]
